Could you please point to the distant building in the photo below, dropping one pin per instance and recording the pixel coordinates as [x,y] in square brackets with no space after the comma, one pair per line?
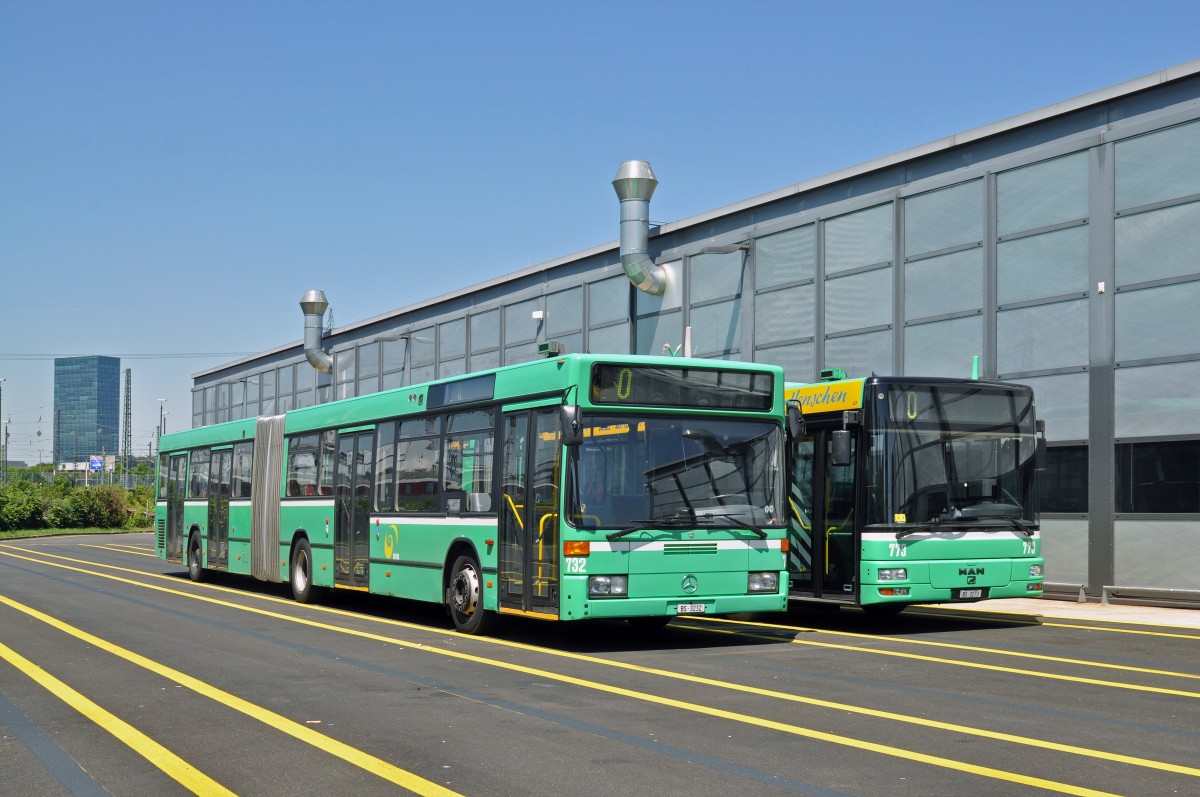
[87,401]
[1058,247]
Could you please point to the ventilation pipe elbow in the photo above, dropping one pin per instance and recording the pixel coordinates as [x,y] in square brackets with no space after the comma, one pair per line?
[313,304]
[635,184]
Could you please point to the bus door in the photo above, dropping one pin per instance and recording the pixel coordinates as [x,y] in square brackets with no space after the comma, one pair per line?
[220,480]
[528,515]
[176,492]
[352,509]
[823,550]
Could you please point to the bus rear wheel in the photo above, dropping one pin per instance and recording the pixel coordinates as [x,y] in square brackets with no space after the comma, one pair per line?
[301,573]
[464,597]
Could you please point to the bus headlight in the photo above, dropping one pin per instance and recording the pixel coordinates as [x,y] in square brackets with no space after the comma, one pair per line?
[608,585]
[893,574]
[1035,571]
[764,582]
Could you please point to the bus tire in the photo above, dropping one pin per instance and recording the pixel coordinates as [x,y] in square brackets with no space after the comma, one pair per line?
[195,559]
[884,609]
[464,596]
[301,572]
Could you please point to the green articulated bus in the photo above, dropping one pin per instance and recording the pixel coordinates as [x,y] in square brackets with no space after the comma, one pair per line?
[568,488]
[913,490]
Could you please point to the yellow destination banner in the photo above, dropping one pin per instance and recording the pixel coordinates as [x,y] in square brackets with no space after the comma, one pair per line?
[827,396]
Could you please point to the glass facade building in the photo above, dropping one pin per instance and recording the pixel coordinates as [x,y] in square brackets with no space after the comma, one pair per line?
[1057,247]
[87,407]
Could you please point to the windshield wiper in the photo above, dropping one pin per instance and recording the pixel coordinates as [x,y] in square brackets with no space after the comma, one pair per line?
[932,528]
[1021,527]
[682,521]
[935,526]
[737,521]
[676,521]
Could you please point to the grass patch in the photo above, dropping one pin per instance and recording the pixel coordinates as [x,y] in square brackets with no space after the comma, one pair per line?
[21,534]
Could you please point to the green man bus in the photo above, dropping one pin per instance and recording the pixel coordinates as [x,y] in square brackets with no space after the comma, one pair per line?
[569,488]
[913,490]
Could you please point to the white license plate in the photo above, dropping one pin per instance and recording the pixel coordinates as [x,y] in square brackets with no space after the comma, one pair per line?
[970,593]
[690,608]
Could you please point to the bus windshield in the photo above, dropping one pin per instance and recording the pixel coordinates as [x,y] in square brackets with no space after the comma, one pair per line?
[636,470]
[957,454]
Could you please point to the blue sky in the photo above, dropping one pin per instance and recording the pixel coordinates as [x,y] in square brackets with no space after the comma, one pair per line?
[175,174]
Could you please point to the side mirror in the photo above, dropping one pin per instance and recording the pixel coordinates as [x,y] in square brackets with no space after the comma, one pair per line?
[1039,455]
[572,426]
[795,422]
[841,448]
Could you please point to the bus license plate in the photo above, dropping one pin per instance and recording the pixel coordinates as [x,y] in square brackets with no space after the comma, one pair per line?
[967,594]
[690,608]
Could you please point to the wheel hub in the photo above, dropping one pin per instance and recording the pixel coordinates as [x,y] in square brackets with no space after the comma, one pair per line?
[464,592]
[300,572]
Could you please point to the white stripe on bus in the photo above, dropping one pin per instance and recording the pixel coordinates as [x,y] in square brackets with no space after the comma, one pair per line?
[662,545]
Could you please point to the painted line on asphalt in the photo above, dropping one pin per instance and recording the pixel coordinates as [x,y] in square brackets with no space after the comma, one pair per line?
[352,755]
[955,646]
[168,762]
[845,741]
[76,781]
[118,549]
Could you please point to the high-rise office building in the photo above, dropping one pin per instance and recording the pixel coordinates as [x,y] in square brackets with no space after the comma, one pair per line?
[87,401]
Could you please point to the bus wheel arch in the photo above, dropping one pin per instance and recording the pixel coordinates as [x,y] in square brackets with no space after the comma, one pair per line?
[463,584]
[300,570]
[195,555]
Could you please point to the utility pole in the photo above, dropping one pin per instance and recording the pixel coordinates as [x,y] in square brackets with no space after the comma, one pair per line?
[127,431]
[3,440]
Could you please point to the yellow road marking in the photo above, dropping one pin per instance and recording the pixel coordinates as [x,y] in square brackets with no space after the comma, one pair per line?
[957,646]
[365,761]
[118,549]
[1126,630]
[171,765]
[688,706]
[998,668]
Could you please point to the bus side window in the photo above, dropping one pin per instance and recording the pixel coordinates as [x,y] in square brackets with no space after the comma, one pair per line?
[801,490]
[243,469]
[200,468]
[301,465]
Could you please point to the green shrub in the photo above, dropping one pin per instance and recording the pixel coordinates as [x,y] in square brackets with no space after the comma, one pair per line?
[140,508]
[60,504]
[21,507]
[89,507]
[68,511]
[107,508]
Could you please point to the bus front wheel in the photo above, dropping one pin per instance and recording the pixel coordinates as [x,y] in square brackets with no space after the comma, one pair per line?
[195,559]
[464,596]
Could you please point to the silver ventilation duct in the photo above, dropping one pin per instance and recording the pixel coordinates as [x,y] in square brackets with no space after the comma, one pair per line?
[313,304]
[635,184]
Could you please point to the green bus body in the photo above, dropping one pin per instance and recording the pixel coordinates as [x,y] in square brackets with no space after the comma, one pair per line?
[468,492]
[936,502]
